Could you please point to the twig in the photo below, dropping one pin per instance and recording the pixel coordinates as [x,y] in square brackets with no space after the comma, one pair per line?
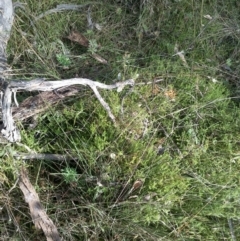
[150,82]
[44,156]
[14,186]
[89,19]
[64,7]
[104,103]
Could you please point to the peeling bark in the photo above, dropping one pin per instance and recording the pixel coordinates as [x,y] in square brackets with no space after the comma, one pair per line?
[36,104]
[9,130]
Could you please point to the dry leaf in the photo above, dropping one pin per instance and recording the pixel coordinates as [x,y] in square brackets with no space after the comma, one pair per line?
[171,94]
[98,27]
[149,196]
[75,36]
[155,89]
[136,185]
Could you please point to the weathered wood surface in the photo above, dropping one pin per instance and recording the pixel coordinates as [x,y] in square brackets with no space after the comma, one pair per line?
[11,133]
[34,105]
[9,130]
[38,214]
[6,21]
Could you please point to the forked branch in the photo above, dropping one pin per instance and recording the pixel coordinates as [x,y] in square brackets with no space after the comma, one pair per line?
[10,131]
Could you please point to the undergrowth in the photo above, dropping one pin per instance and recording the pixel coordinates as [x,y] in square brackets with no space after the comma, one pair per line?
[176,137]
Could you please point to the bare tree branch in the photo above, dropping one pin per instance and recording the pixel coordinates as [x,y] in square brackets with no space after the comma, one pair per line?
[10,131]
[64,7]
[43,85]
[44,156]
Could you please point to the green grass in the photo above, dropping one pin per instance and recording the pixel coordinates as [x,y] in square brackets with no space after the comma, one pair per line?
[191,191]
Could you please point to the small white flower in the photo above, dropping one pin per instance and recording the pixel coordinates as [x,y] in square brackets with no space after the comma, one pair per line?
[113,156]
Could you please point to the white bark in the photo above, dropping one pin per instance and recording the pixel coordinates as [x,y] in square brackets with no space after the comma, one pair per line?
[10,131]
[6,21]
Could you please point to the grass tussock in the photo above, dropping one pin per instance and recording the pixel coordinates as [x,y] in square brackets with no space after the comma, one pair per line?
[178,138]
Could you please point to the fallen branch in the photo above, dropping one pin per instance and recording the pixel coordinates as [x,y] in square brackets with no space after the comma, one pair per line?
[43,85]
[38,214]
[44,156]
[34,105]
[10,131]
